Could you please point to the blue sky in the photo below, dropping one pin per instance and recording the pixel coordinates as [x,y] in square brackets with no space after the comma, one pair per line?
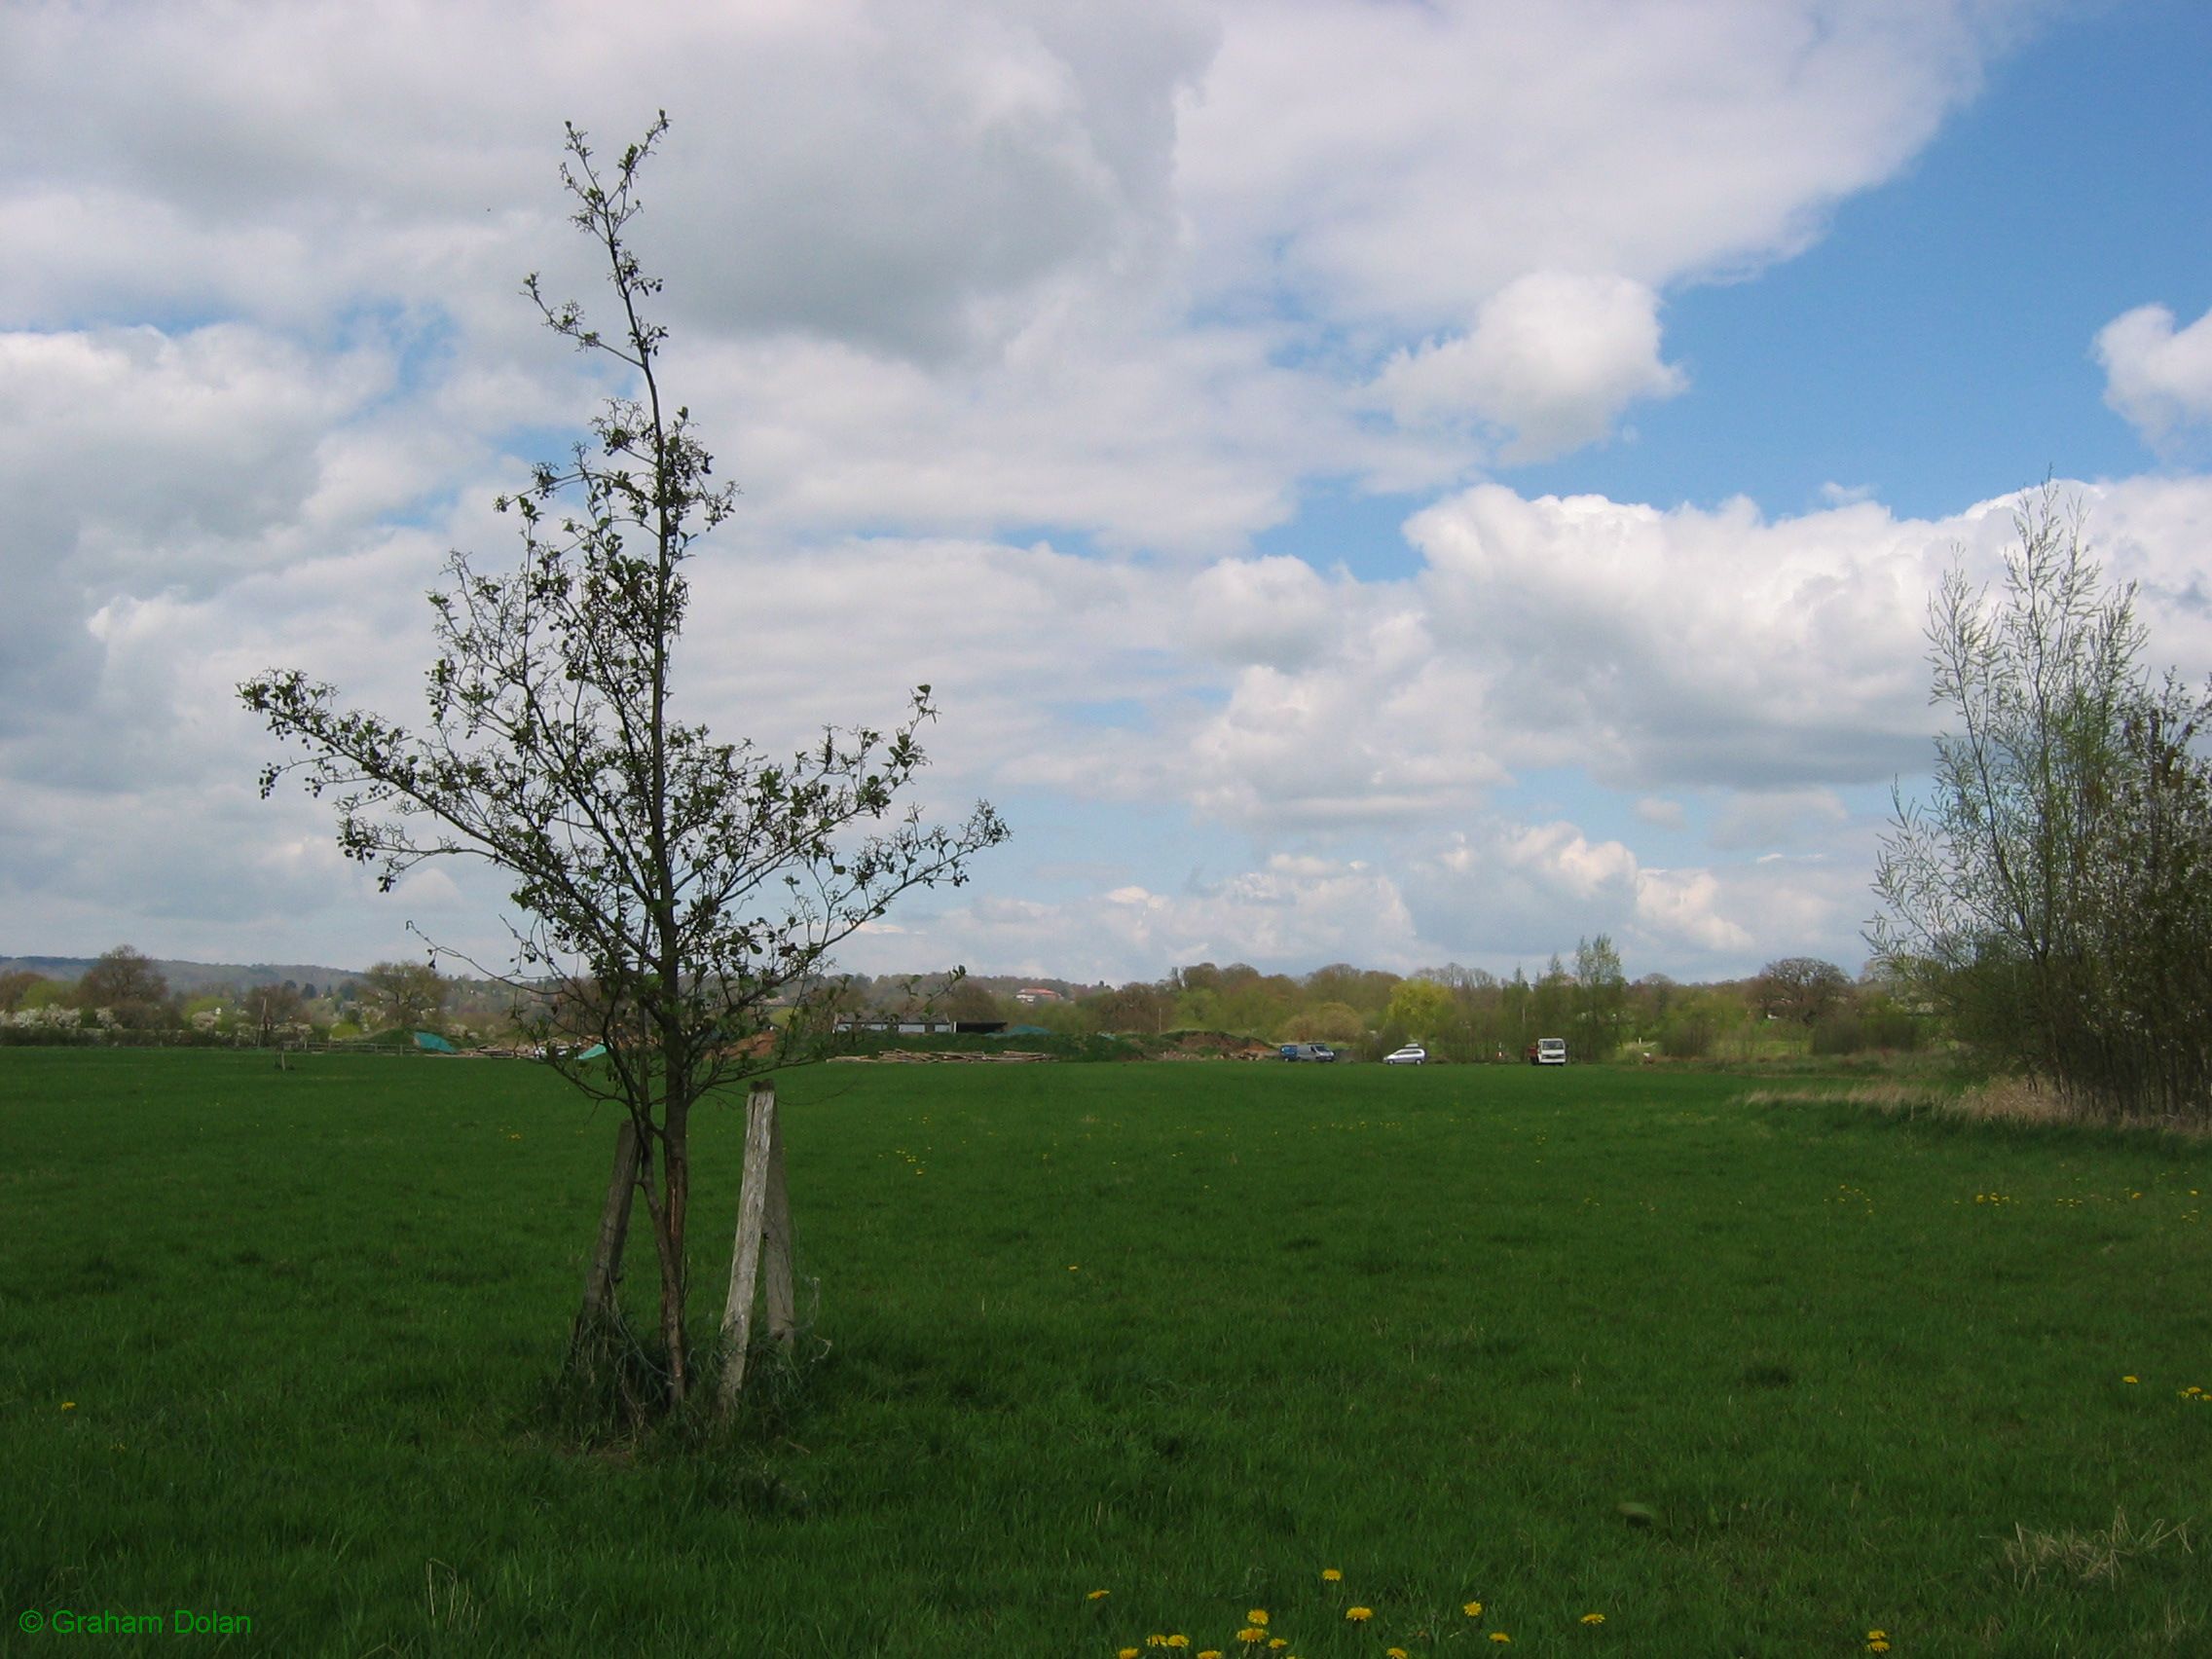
[1373,482]
[1937,340]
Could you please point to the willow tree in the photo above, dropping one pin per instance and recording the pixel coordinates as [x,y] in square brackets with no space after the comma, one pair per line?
[669,890]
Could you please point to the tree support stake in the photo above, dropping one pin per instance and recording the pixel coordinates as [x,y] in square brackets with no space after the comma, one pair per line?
[760,1261]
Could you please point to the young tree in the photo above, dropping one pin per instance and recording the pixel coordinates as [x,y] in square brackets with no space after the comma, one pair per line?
[270,1008]
[1471,1031]
[127,983]
[670,886]
[1257,1003]
[1600,997]
[1137,1006]
[1697,1019]
[2055,888]
[1516,1013]
[1551,1002]
[1328,1023]
[2150,908]
[1803,988]
[405,994]
[1649,999]
[1419,1009]
[14,986]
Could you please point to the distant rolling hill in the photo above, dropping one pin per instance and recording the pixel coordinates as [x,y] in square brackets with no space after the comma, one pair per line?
[191,979]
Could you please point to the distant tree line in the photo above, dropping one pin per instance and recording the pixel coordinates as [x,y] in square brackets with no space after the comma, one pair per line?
[1467,1014]
[1460,1013]
[123,996]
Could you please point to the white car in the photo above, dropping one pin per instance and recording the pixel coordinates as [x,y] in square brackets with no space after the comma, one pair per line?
[1412,1055]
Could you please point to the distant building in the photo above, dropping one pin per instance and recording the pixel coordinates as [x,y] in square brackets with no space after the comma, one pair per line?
[922,1028]
[1029,995]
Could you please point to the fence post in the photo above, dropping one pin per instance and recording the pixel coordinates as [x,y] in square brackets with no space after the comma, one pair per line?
[776,1239]
[763,1230]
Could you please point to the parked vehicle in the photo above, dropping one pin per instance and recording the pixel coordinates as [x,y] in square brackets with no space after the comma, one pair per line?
[1548,1051]
[1412,1055]
[1308,1051]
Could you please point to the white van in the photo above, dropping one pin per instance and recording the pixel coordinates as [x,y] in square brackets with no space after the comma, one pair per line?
[1548,1051]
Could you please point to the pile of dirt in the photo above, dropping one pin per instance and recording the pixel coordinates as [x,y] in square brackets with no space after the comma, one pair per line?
[942,1057]
[1213,1045]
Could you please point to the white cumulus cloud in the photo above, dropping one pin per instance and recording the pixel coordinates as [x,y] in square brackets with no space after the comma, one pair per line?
[1017,321]
[1554,358]
[2159,378]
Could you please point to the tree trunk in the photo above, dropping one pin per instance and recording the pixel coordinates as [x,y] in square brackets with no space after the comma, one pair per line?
[668,1252]
[675,1179]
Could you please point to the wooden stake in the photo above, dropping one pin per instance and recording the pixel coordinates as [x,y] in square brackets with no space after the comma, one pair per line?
[763,1230]
[614,1226]
[776,1239]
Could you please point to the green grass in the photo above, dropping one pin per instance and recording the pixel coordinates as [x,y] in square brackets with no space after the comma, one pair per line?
[1187,1333]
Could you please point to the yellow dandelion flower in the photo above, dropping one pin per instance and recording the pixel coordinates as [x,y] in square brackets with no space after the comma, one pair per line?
[1877,1647]
[1473,1609]
[1178,1640]
[1359,1615]
[1210,1653]
[1330,1575]
[1126,1653]
[1592,1618]
[1098,1595]
[1251,1632]
[2129,1380]
[1499,1636]
[1393,1653]
[1278,1642]
[68,1405]
[1257,1616]
[1156,1640]
[1877,1636]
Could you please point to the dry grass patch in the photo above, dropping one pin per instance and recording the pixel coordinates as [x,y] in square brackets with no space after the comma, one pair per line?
[2016,1101]
[2001,1100]
[1909,1099]
[2090,1558]
[2026,1101]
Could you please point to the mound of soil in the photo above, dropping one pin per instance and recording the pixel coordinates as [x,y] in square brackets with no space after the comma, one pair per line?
[1213,1045]
[942,1056]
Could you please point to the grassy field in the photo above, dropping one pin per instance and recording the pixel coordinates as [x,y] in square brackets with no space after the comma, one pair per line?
[277,1343]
